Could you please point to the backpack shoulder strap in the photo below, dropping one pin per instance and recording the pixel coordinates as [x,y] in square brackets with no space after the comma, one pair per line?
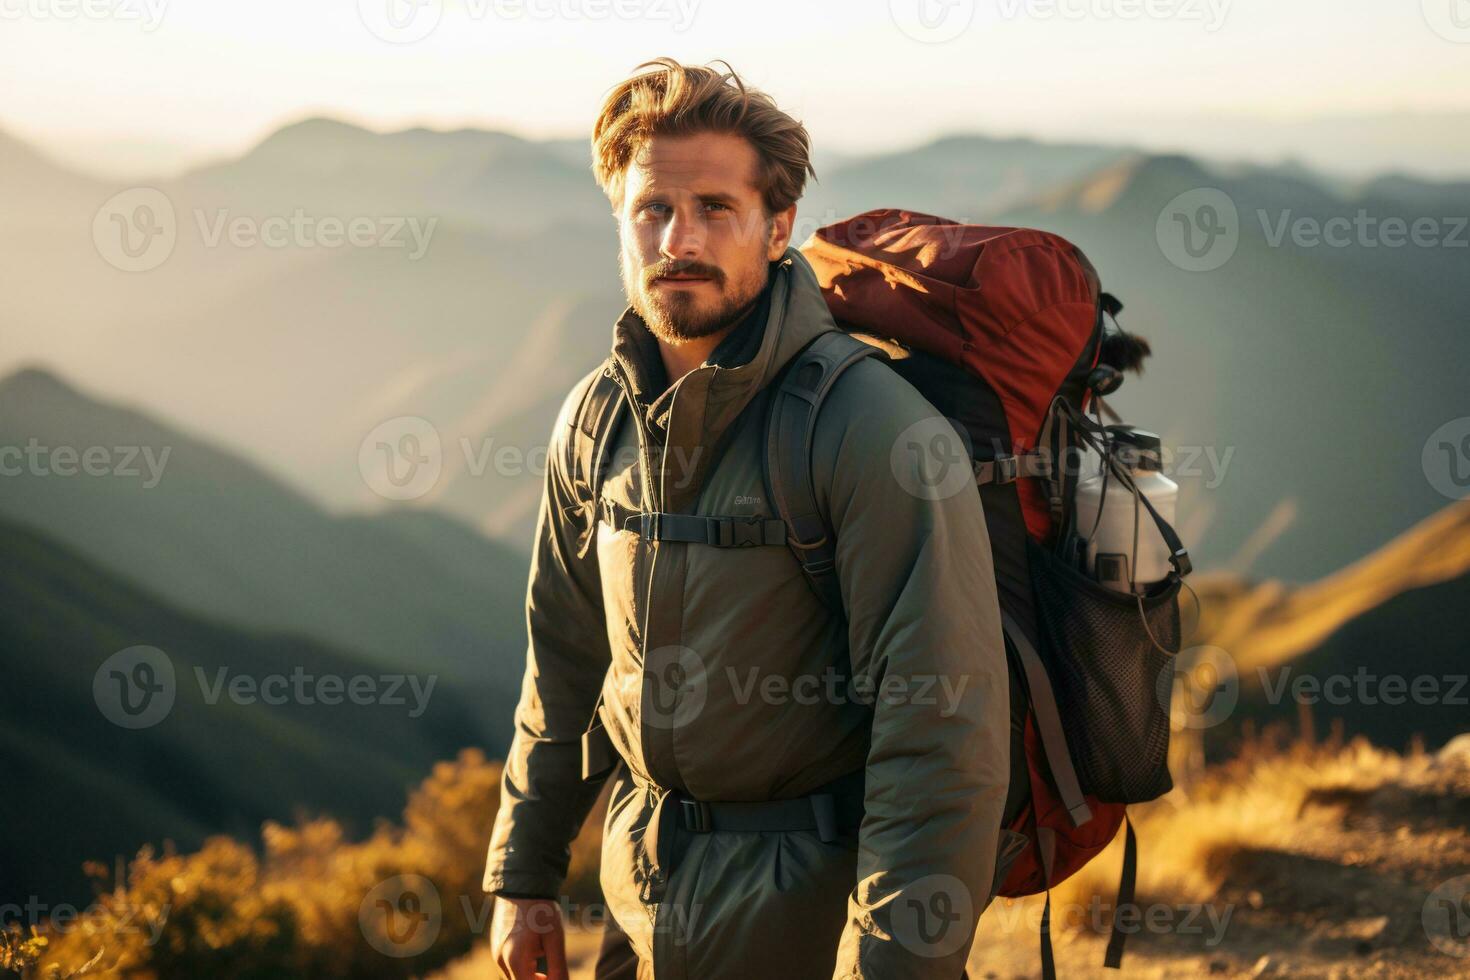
[790,424]
[593,428]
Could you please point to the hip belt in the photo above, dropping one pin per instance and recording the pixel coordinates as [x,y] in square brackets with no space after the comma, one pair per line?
[832,810]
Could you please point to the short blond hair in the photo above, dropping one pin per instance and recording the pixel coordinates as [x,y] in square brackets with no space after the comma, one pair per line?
[670,99]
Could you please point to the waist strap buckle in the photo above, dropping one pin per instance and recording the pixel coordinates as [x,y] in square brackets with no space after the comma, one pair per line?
[697,816]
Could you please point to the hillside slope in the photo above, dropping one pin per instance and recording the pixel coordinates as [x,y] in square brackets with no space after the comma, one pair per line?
[1350,648]
[80,787]
[215,534]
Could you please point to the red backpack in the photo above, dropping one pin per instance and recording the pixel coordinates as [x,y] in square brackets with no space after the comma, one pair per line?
[1005,331]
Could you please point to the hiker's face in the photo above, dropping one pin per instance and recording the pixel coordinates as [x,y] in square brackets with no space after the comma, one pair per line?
[695,236]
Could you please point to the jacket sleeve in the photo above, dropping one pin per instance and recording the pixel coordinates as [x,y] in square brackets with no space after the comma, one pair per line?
[913,560]
[543,799]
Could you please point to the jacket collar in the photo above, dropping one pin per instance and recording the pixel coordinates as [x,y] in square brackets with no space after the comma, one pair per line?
[698,409]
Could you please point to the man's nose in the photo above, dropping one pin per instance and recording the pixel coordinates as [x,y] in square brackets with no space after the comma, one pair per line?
[683,238]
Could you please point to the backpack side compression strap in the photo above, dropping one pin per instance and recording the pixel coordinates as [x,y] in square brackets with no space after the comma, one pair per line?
[1048,723]
[790,426]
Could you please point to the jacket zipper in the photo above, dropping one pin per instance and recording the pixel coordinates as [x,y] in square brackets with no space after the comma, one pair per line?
[651,503]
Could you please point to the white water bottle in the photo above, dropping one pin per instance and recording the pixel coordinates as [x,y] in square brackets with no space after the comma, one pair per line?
[1108,514]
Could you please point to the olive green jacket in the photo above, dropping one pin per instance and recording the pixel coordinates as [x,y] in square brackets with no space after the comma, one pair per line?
[724,677]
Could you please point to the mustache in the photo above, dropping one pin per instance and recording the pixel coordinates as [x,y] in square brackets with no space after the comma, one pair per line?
[664,269]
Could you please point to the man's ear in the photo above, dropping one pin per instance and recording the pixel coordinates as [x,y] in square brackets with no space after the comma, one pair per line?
[781,225]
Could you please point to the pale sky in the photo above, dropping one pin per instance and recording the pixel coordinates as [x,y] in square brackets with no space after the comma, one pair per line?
[191,78]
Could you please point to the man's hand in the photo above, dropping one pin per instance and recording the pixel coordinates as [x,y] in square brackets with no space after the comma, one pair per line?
[525,930]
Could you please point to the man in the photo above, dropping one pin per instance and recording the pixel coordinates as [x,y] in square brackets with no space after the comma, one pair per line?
[801,794]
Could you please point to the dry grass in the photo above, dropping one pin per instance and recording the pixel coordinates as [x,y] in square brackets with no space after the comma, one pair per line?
[309,903]
[1312,861]
[1307,860]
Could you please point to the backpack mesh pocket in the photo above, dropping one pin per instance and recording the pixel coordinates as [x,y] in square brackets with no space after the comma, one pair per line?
[1109,677]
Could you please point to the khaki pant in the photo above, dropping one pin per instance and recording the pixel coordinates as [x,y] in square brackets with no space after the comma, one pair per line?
[616,960]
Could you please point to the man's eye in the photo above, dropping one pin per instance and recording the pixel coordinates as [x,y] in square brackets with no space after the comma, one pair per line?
[656,209]
[716,206]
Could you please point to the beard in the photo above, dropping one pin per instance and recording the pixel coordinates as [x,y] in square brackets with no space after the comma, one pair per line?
[678,315]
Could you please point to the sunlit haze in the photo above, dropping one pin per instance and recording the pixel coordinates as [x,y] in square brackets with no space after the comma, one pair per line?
[135,85]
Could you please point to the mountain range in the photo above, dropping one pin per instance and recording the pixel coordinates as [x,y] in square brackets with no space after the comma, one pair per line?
[220,537]
[1313,373]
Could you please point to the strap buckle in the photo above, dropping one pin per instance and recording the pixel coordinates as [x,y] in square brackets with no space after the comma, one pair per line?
[644,524]
[697,817]
[739,532]
[1007,469]
[824,813]
[998,470]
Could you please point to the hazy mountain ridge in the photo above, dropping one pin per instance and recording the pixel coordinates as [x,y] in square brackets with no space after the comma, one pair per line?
[477,178]
[1320,370]
[324,344]
[214,533]
[80,788]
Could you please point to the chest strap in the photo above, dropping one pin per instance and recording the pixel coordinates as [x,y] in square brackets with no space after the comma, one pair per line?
[718,532]
[1009,468]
